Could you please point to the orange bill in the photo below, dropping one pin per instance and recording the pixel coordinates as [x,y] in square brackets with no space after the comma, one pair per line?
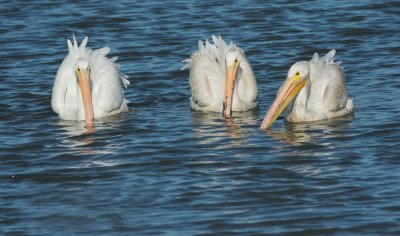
[229,87]
[286,94]
[84,84]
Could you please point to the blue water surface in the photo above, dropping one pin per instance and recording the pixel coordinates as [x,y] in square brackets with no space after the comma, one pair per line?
[162,169]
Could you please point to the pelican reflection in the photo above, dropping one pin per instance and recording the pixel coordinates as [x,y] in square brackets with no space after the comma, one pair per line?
[211,128]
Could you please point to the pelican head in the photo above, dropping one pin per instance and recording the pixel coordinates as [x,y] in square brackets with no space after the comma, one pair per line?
[297,77]
[232,65]
[82,71]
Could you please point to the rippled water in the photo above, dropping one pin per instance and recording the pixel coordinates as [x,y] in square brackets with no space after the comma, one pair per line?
[164,169]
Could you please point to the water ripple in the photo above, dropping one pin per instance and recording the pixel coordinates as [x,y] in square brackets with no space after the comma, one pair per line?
[164,169]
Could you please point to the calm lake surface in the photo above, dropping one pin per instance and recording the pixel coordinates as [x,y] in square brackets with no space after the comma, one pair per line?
[162,169]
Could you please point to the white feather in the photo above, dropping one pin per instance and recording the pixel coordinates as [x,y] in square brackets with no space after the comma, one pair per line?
[208,74]
[325,95]
[106,84]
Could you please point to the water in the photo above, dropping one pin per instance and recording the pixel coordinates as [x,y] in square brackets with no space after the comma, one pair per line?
[162,169]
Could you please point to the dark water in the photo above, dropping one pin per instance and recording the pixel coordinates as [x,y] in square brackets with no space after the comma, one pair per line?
[162,169]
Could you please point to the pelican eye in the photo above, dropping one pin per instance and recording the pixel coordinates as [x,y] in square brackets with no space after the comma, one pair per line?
[297,73]
[236,60]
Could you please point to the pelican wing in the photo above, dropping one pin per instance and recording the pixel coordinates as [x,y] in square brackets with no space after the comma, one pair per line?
[206,71]
[203,66]
[64,99]
[108,94]
[335,94]
[335,97]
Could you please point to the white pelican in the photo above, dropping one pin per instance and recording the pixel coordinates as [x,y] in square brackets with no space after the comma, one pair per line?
[88,85]
[318,88]
[221,78]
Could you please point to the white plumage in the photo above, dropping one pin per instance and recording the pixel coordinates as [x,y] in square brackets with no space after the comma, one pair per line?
[212,67]
[104,82]
[313,90]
